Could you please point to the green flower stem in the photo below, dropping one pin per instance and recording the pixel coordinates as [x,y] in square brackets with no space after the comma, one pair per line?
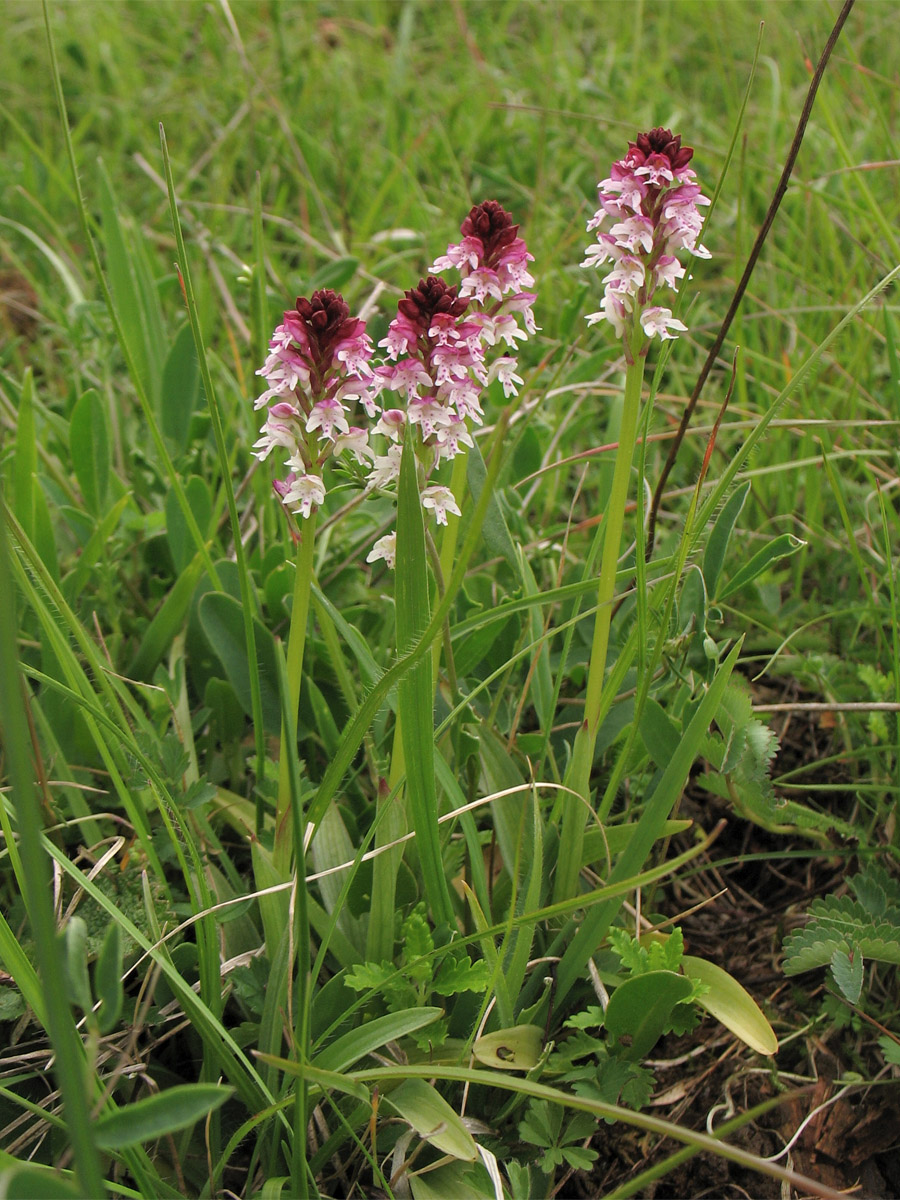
[391,824]
[579,771]
[296,644]
[451,535]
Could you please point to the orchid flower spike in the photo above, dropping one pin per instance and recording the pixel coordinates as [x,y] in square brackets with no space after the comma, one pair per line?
[317,368]
[653,203]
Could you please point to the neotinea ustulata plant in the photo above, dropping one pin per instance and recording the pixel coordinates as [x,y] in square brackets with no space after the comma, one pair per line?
[446,345]
[433,966]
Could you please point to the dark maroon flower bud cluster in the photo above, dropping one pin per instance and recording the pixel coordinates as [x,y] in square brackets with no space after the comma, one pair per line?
[660,141]
[326,319]
[433,297]
[493,226]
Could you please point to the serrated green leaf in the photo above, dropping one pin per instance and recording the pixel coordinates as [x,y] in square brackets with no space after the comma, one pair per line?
[461,975]
[417,946]
[876,891]
[806,949]
[665,953]
[847,970]
[366,977]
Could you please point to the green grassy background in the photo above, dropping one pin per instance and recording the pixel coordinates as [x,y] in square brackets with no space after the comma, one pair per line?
[373,127]
[362,119]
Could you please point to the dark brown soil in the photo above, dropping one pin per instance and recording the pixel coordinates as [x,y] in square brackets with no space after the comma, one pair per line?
[853,1144]
[752,889]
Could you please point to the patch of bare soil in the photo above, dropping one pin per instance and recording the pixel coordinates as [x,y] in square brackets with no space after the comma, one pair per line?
[755,888]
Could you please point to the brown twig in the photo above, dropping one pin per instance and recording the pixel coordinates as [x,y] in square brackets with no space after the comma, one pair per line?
[748,270]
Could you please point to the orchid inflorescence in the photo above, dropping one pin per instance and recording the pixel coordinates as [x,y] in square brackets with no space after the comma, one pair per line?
[654,203]
[437,359]
[318,362]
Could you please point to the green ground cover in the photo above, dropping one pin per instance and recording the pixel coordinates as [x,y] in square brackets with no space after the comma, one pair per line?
[230,1014]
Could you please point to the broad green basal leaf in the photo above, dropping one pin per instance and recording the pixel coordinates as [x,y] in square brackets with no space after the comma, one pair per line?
[729,1003]
[515,1049]
[422,1106]
[640,1008]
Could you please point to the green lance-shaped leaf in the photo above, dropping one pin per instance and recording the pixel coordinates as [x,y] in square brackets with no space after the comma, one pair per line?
[334,274]
[180,393]
[77,980]
[656,812]
[24,465]
[731,1004]
[90,449]
[356,1044]
[781,547]
[25,1181]
[181,543]
[167,1112]
[415,693]
[167,622]
[719,538]
[422,1106]
[136,300]
[108,980]
[223,624]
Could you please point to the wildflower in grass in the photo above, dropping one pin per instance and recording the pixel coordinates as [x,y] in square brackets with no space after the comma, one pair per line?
[447,343]
[653,202]
[440,499]
[435,362]
[317,368]
[386,548]
[492,261]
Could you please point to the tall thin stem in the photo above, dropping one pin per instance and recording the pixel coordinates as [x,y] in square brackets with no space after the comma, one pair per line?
[296,645]
[579,772]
